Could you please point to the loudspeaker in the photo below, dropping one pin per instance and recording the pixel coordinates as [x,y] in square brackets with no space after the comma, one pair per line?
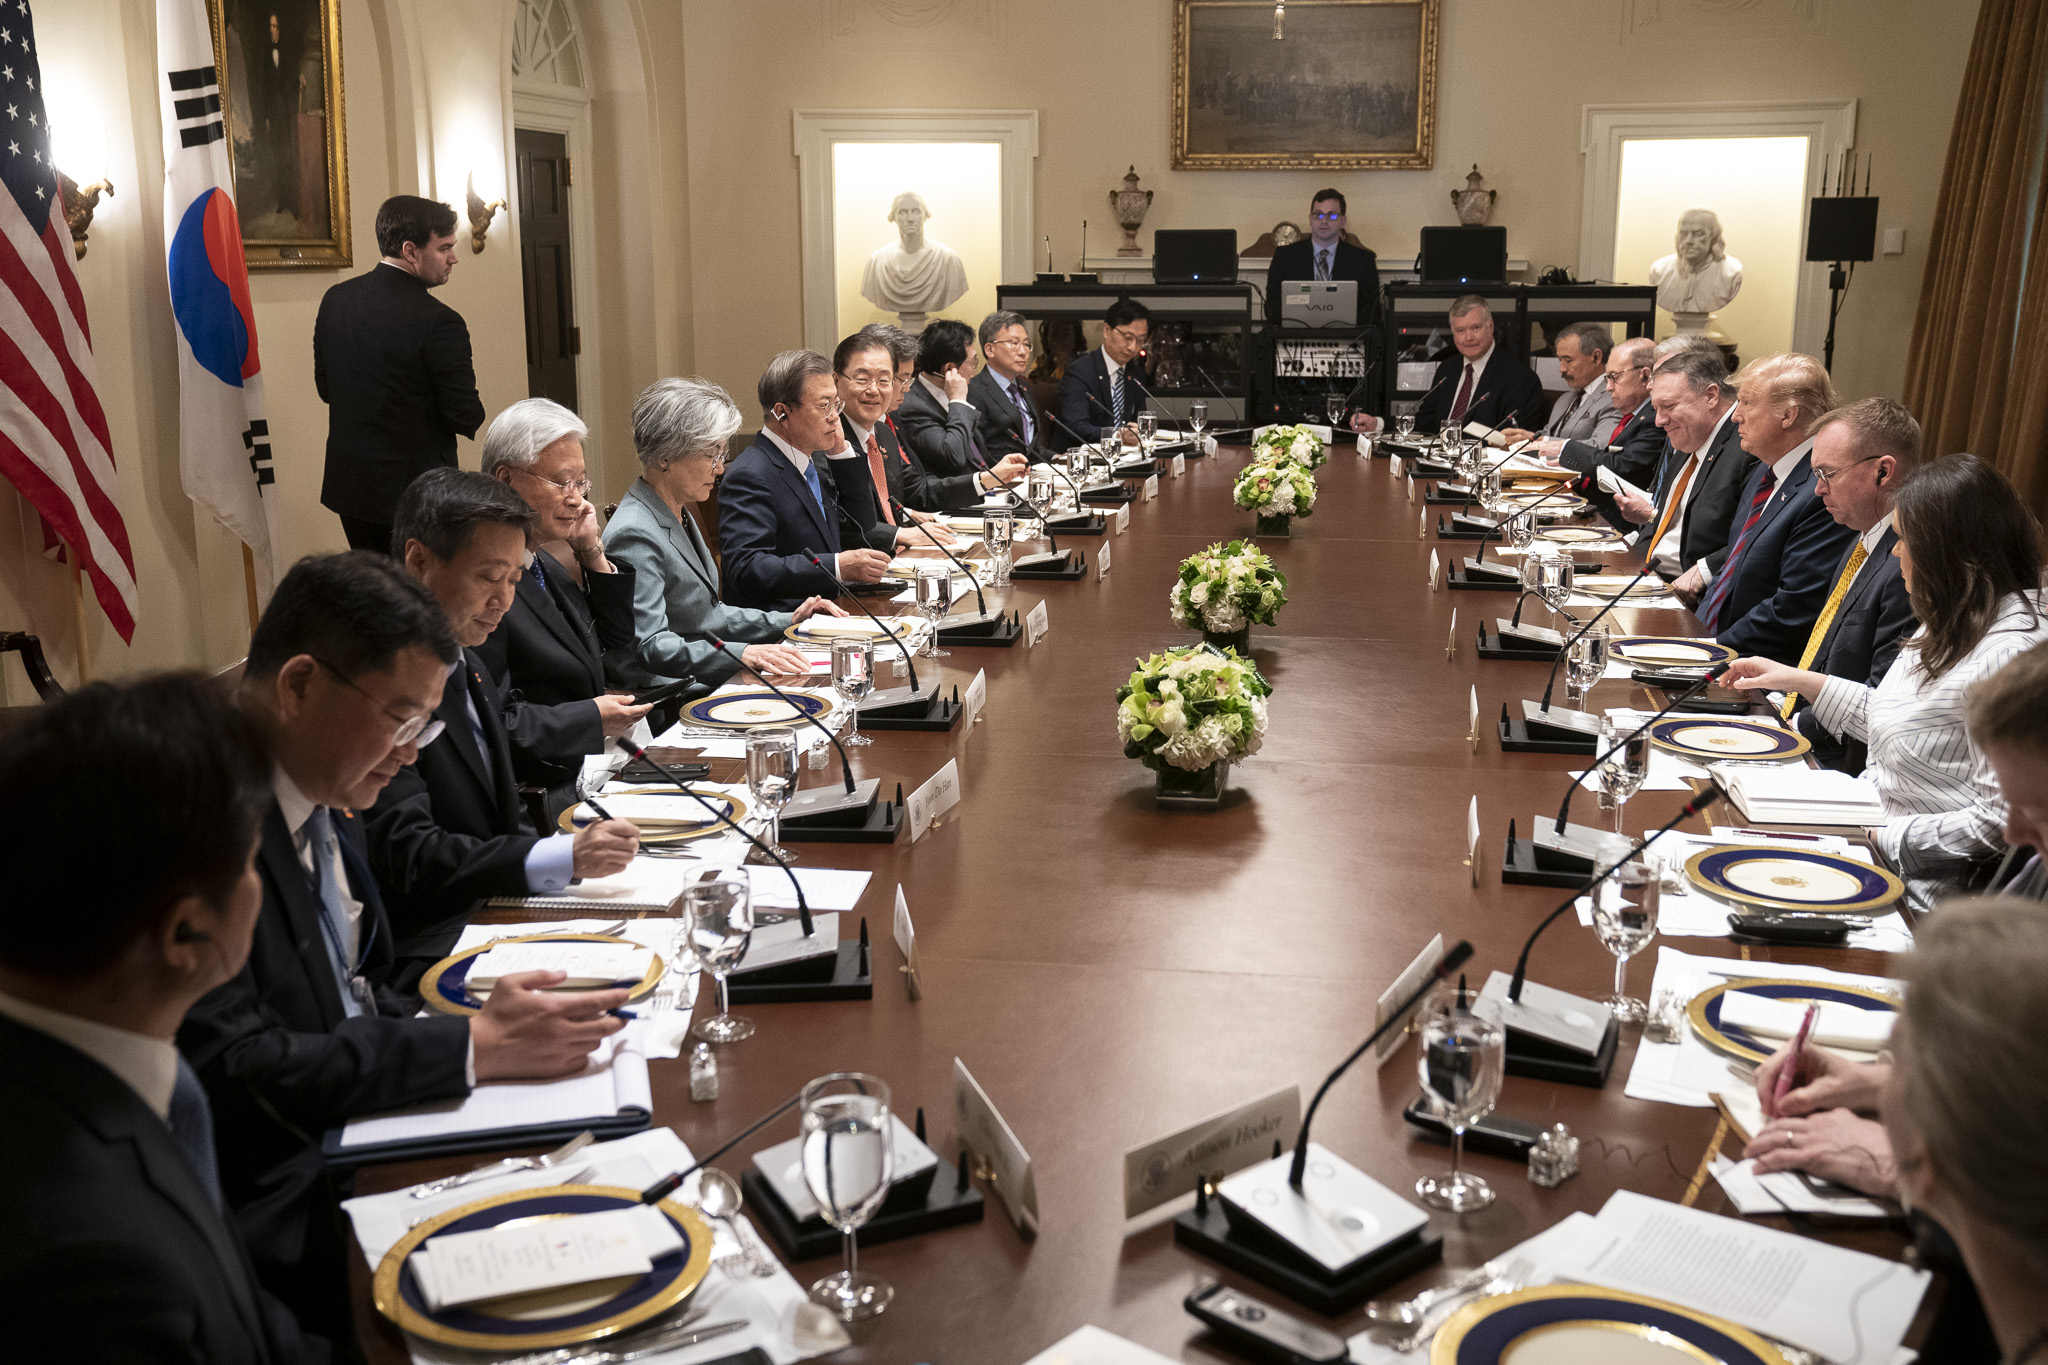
[1843,228]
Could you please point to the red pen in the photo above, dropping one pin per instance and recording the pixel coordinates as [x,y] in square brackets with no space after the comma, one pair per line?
[1789,1075]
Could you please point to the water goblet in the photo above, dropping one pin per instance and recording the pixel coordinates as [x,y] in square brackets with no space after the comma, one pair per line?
[1404,425]
[998,530]
[1198,417]
[1625,905]
[847,1160]
[1461,1059]
[1585,662]
[934,599]
[718,919]
[1555,581]
[772,777]
[1622,771]
[853,677]
[1521,531]
[1077,466]
[1333,409]
[1148,430]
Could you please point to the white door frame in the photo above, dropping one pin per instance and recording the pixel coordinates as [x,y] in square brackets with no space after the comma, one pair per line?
[544,107]
[816,130]
[1829,124]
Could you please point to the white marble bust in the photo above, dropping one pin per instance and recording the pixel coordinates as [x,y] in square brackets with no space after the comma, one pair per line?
[913,276]
[1700,277]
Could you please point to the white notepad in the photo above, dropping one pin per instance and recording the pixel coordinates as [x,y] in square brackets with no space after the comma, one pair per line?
[615,1080]
[496,1263]
[1792,795]
[589,965]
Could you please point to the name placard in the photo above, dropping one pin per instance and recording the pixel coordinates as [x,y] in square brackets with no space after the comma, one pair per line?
[1123,518]
[1222,1143]
[977,694]
[1422,525]
[1412,976]
[1451,644]
[1435,568]
[906,943]
[1037,622]
[1411,488]
[1151,487]
[1472,718]
[1179,465]
[982,1129]
[1472,839]
[939,794]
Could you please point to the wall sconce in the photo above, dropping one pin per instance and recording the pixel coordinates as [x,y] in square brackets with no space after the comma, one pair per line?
[78,206]
[480,215]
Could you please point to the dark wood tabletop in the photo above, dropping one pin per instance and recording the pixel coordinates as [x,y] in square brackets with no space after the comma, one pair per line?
[1111,972]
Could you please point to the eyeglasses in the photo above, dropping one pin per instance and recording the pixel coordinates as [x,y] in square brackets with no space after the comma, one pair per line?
[863,380]
[1326,217]
[1626,369]
[423,730]
[1135,338]
[1825,476]
[574,488]
[1023,343]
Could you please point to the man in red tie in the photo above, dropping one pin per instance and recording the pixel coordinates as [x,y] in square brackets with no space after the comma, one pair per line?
[1479,382]
[877,483]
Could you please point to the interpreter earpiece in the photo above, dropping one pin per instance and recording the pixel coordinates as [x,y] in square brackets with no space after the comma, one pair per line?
[781,414]
[185,933]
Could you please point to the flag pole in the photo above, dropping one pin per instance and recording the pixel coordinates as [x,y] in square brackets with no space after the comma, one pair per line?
[78,615]
[249,583]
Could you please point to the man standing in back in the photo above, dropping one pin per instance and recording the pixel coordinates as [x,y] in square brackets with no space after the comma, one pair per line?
[392,364]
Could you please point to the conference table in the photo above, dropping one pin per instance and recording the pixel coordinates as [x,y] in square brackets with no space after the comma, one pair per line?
[1111,971]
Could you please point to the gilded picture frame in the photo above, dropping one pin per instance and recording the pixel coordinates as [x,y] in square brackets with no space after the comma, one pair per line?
[281,88]
[1350,86]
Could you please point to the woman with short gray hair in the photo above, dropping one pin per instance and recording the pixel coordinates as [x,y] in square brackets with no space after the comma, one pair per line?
[681,428]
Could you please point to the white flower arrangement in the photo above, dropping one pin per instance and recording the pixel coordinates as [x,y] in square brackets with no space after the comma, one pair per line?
[1225,588]
[1297,443]
[1190,708]
[1276,488]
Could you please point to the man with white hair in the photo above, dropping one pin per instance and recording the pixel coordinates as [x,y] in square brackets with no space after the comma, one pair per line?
[572,604]
[1699,276]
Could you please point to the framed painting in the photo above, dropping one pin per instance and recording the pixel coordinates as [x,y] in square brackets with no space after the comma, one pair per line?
[1349,84]
[280,78]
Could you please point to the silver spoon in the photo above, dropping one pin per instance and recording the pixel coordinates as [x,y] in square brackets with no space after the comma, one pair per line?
[718,1195]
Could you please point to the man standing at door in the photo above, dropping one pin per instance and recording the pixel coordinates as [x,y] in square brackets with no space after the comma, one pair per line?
[393,366]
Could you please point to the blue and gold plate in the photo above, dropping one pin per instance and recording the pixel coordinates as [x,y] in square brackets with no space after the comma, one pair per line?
[444,988]
[1794,879]
[1669,651]
[1577,1324]
[1705,739]
[557,1317]
[1732,1040]
[756,707]
[726,811]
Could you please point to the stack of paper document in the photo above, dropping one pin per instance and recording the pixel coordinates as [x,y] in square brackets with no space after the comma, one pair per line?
[588,964]
[1792,795]
[554,1253]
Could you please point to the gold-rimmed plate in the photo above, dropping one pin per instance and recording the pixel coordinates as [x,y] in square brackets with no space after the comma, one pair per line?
[753,708]
[1669,651]
[820,635]
[1708,738]
[1794,879]
[534,1322]
[1578,1324]
[445,987]
[1618,585]
[1732,1040]
[665,816]
[1586,537]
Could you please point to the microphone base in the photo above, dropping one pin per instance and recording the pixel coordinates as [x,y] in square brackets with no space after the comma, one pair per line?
[1491,576]
[828,976]
[1522,864]
[828,815]
[1560,722]
[1426,468]
[1533,1058]
[916,1206]
[1560,1037]
[898,708]
[1210,1234]
[1450,495]
[1517,738]
[975,630]
[1109,496]
[1077,524]
[1075,568]
[1452,530]
[1502,646]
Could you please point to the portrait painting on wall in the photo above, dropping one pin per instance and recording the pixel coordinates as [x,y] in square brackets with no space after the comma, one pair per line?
[280,77]
[1347,84]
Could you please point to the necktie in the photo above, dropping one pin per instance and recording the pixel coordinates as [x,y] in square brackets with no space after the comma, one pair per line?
[1023,410]
[1464,399]
[1116,397]
[333,918]
[1673,500]
[1564,418]
[1710,610]
[1827,618]
[879,475]
[192,1129]
[817,490]
[1322,264]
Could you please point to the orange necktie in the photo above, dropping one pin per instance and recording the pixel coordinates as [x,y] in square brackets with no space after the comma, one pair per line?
[1673,500]
[881,478]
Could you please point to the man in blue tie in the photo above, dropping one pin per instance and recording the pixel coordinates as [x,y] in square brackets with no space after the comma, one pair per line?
[1007,419]
[778,519]
[118,1246]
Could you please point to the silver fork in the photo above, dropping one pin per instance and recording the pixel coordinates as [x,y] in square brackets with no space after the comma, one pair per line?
[628,1340]
[1408,1312]
[575,1177]
[507,1166]
[1506,1282]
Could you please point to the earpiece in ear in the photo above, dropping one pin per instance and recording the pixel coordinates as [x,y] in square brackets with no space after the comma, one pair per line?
[185,933]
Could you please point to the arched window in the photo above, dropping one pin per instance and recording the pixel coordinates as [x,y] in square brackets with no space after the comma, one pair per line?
[546,45]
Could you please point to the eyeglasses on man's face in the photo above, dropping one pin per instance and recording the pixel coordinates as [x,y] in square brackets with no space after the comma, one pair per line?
[1135,338]
[567,488]
[1327,217]
[1823,477]
[423,730]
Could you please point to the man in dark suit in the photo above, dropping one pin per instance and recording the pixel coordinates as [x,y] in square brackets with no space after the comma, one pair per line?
[878,484]
[344,672]
[1861,454]
[572,604]
[393,366]
[449,829]
[936,421]
[1767,588]
[1007,419]
[1630,445]
[776,507]
[1325,255]
[118,1248]
[1103,389]
[1477,381]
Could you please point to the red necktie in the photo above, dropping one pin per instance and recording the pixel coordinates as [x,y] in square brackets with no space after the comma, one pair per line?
[1464,399]
[879,475]
[1710,610]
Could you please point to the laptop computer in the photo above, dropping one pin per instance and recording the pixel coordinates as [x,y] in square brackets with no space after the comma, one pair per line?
[1319,303]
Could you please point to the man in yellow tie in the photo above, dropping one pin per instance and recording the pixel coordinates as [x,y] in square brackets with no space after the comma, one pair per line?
[1861,454]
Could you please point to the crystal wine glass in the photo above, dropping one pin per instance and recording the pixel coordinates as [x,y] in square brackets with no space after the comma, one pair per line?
[1198,417]
[934,600]
[998,530]
[1333,409]
[1622,771]
[1554,577]
[847,1161]
[853,677]
[1461,1058]
[1586,663]
[1404,425]
[1148,430]
[1521,531]
[718,917]
[771,777]
[1077,466]
[1625,917]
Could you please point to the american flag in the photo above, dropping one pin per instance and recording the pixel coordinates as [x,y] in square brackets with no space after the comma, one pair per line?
[53,435]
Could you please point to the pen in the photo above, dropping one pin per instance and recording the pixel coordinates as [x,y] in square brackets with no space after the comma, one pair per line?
[622,1014]
[1765,834]
[602,813]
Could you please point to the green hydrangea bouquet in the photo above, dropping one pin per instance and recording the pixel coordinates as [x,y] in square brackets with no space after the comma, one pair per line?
[1275,488]
[1302,444]
[1226,588]
[1192,708]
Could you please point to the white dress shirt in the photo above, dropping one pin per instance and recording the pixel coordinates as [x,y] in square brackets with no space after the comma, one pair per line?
[797,457]
[298,808]
[1941,800]
[938,391]
[1664,554]
[148,1065]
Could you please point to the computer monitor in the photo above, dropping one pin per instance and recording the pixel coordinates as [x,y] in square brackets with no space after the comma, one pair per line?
[1464,255]
[1194,256]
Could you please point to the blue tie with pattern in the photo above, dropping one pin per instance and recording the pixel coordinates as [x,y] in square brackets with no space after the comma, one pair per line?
[192,1129]
[817,491]
[333,918]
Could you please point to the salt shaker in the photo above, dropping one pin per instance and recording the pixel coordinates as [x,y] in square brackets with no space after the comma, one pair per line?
[1555,1157]
[703,1073]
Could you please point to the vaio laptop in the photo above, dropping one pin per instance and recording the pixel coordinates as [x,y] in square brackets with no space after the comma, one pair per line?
[1319,303]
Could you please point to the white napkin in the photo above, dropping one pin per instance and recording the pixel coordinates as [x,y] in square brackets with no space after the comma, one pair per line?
[588,964]
[1842,1026]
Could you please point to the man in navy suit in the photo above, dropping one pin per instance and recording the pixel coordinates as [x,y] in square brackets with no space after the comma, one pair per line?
[1101,390]
[1007,419]
[1325,255]
[776,508]
[1861,454]
[1479,382]
[935,420]
[1685,518]
[1767,588]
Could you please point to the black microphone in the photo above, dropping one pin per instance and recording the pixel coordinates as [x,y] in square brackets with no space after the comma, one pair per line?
[1453,960]
[803,907]
[979,600]
[1551,683]
[1564,808]
[1114,426]
[845,769]
[853,598]
[669,1184]
[1691,808]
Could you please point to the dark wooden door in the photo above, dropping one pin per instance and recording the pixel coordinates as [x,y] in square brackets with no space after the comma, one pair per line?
[551,338]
